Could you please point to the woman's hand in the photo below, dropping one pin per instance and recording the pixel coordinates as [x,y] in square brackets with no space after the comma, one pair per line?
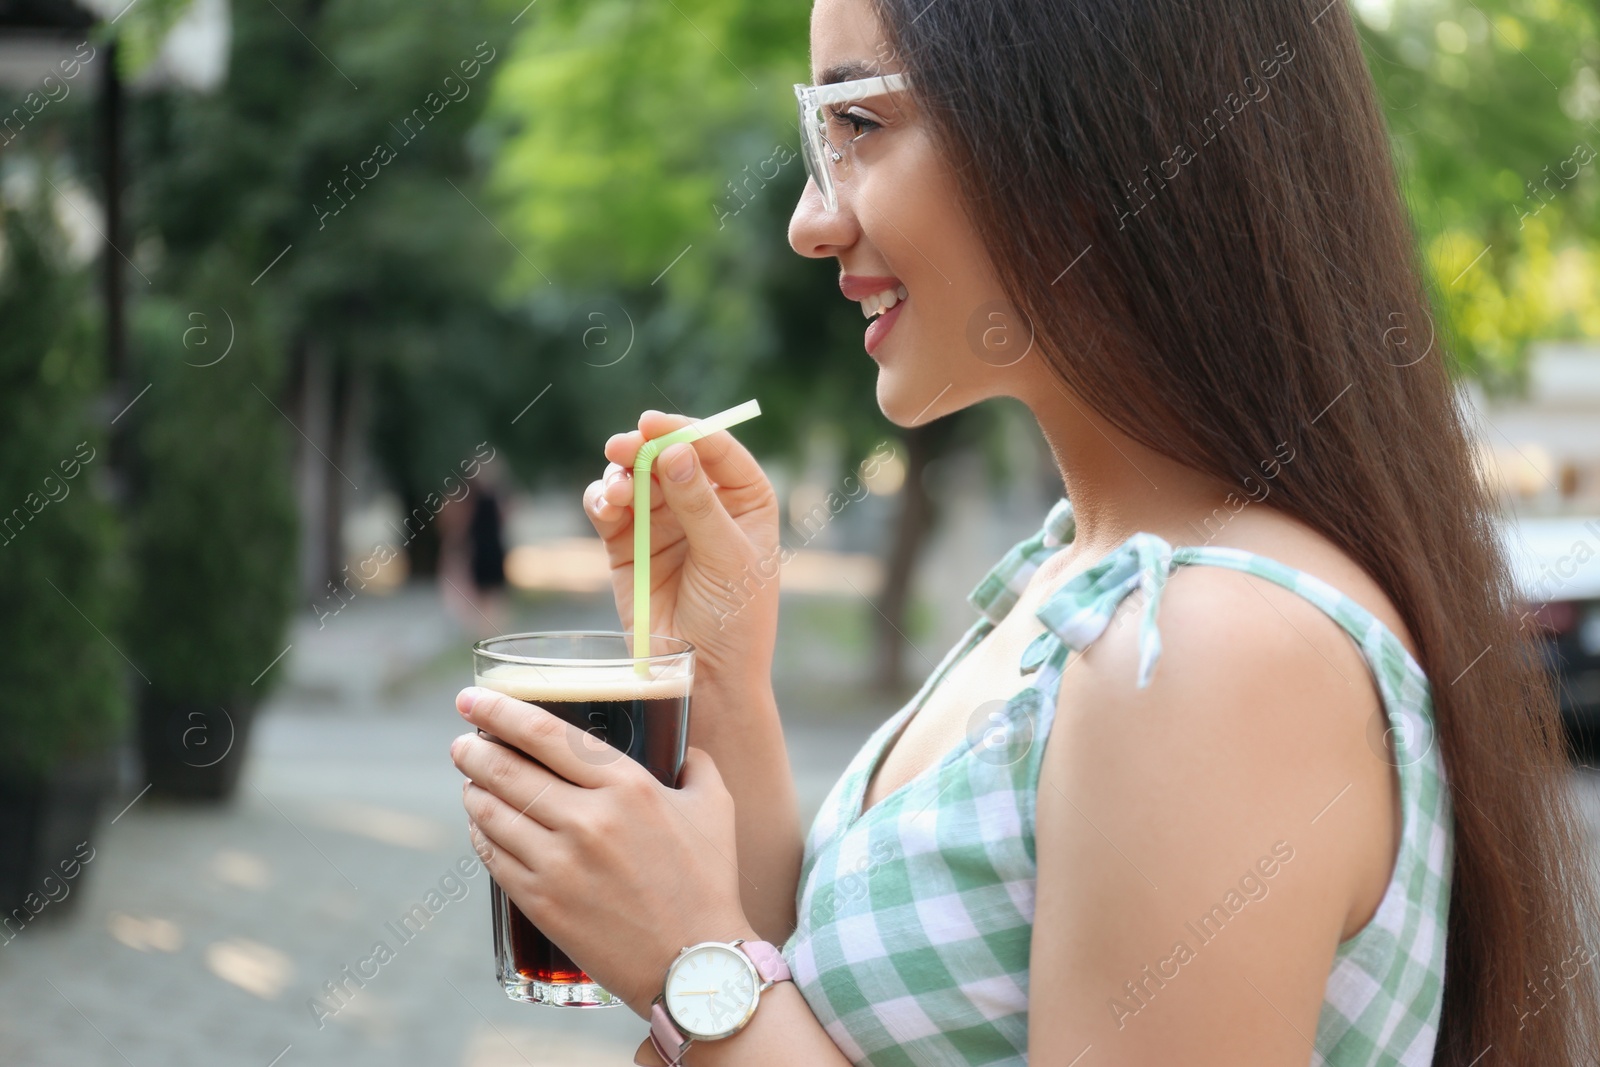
[713,546]
[618,870]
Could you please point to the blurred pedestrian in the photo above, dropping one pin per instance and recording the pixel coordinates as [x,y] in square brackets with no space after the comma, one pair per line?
[472,551]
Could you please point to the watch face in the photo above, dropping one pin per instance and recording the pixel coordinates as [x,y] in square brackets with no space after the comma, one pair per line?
[711,990]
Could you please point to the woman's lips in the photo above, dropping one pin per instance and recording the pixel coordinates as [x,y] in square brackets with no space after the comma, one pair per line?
[879,327]
[860,287]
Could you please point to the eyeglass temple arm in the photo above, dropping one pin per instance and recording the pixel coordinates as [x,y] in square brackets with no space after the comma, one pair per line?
[861,88]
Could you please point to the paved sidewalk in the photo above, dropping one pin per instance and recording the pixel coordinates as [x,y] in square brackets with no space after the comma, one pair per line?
[201,933]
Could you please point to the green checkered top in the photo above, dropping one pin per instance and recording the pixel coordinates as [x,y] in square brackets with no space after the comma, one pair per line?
[914,917]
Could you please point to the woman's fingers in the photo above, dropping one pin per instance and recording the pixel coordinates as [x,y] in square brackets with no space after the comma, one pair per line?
[570,752]
[526,786]
[647,1056]
[727,462]
[694,492]
[623,448]
[612,519]
[617,485]
[508,831]
[689,493]
[610,505]
[608,519]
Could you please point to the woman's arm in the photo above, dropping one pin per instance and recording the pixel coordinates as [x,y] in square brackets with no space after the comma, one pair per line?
[1204,842]
[738,724]
[783,1033]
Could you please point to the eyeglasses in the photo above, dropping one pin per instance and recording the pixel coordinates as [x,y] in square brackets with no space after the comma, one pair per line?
[827,137]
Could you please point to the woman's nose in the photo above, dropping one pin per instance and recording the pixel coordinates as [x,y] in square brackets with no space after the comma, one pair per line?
[818,233]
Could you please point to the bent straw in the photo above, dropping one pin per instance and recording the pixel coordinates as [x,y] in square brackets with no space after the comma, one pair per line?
[641,513]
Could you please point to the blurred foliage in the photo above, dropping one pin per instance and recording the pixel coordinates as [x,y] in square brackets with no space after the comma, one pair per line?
[620,131]
[586,216]
[646,162]
[1492,107]
[140,29]
[64,692]
[351,157]
[212,528]
[629,119]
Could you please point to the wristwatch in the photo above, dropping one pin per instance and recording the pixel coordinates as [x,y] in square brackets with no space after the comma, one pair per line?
[711,992]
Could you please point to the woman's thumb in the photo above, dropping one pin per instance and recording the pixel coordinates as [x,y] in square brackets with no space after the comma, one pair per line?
[699,770]
[688,493]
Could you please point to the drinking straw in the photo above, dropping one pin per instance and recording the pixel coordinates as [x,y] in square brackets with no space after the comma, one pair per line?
[641,513]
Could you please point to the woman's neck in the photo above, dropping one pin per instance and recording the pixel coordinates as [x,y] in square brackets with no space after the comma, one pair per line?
[1117,486]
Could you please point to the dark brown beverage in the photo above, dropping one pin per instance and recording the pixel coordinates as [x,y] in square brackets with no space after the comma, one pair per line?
[622,714]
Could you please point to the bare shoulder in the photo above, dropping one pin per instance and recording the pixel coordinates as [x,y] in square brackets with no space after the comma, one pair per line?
[1291,542]
[1260,709]
[1244,787]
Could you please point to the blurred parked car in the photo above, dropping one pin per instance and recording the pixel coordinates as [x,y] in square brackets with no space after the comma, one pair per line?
[1556,562]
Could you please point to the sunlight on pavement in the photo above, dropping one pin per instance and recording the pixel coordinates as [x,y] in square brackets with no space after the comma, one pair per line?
[832,573]
[527,1046]
[571,564]
[579,565]
[145,934]
[253,967]
[377,1018]
[246,870]
[383,824]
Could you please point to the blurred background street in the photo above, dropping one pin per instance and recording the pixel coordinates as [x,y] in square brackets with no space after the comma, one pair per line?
[202,931]
[314,318]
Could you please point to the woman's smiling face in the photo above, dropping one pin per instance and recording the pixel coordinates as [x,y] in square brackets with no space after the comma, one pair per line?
[900,227]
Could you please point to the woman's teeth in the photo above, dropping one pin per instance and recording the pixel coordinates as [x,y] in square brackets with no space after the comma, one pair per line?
[883,301]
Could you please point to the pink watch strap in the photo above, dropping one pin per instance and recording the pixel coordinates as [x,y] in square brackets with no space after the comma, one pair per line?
[669,1041]
[664,1036]
[770,964]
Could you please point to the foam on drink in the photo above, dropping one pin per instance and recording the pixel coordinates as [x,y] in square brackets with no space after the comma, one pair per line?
[590,682]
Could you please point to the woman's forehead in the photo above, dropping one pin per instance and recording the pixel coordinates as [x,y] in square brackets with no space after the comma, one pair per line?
[846,41]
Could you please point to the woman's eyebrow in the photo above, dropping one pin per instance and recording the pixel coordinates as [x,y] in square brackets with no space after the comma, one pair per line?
[848,71]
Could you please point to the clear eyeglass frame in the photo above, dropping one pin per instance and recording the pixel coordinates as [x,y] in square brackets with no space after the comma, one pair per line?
[821,156]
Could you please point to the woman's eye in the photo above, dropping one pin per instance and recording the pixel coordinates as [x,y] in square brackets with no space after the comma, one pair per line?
[853,121]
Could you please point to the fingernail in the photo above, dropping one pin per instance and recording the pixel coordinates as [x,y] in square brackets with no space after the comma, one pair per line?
[467,699]
[680,462]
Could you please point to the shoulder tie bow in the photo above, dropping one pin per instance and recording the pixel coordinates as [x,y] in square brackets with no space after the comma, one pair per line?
[1079,612]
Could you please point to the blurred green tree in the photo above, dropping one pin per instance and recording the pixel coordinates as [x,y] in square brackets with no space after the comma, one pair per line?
[336,168]
[211,527]
[65,697]
[1492,107]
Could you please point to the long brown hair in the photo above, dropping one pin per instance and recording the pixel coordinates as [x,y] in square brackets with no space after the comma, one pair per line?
[1258,283]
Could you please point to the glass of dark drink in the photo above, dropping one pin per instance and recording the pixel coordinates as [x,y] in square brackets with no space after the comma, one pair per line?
[626,707]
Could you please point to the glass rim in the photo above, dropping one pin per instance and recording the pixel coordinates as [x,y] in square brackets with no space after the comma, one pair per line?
[681,649]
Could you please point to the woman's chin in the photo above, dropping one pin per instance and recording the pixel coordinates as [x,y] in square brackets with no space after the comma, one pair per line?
[910,401]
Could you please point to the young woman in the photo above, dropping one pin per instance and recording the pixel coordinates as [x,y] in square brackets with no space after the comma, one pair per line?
[1246,759]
